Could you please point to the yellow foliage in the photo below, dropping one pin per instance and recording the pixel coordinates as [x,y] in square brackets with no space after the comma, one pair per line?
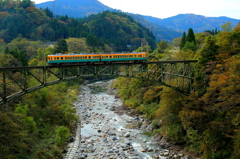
[3,14]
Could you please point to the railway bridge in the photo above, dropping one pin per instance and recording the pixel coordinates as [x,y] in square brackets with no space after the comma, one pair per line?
[175,74]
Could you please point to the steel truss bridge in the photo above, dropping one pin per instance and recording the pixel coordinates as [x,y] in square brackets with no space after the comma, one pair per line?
[17,81]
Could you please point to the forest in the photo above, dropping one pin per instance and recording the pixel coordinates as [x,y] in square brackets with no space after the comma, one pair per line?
[23,19]
[206,121]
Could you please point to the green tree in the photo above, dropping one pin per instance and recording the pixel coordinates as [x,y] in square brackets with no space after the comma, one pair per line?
[191,36]
[48,12]
[61,46]
[26,3]
[184,40]
[209,51]
[189,46]
[11,135]
[62,135]
[227,27]
[162,45]
[12,30]
[6,51]
[77,45]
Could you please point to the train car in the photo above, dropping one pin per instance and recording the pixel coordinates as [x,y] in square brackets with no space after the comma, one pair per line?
[135,57]
[71,58]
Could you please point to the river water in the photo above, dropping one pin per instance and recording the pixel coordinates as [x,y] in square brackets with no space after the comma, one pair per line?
[102,133]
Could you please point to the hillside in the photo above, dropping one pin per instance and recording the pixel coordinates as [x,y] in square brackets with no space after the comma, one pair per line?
[27,21]
[163,29]
[123,31]
[161,32]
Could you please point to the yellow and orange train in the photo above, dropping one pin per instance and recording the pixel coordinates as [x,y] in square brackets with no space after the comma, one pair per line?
[72,58]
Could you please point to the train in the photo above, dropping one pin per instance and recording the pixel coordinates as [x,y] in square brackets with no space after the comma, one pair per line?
[84,58]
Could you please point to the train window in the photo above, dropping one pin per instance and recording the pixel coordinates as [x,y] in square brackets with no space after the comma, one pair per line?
[89,57]
[110,57]
[61,58]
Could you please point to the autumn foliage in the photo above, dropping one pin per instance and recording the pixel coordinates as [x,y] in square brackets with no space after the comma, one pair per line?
[207,121]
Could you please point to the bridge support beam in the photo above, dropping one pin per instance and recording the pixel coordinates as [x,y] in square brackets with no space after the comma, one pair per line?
[18,81]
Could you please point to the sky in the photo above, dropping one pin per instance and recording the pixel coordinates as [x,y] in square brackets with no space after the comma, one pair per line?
[169,8]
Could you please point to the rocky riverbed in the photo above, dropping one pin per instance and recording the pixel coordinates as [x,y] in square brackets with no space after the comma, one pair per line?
[105,133]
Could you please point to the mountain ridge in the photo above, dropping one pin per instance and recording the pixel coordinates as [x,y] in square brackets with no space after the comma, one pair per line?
[164,29]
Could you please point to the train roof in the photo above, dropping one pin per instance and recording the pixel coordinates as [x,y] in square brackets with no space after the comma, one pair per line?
[70,54]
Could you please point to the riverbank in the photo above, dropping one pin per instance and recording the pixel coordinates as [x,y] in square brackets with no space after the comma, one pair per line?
[106,130]
[157,139]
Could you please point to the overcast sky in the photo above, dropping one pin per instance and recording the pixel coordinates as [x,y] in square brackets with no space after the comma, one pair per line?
[168,8]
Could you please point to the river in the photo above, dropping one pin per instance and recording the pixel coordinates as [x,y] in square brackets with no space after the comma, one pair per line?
[102,133]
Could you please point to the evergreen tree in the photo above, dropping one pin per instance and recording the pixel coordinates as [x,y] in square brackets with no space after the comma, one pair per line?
[48,12]
[191,36]
[209,51]
[61,46]
[6,51]
[184,40]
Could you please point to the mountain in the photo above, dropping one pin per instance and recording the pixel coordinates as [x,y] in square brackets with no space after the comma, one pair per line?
[164,29]
[199,23]
[83,8]
[75,8]
[161,32]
